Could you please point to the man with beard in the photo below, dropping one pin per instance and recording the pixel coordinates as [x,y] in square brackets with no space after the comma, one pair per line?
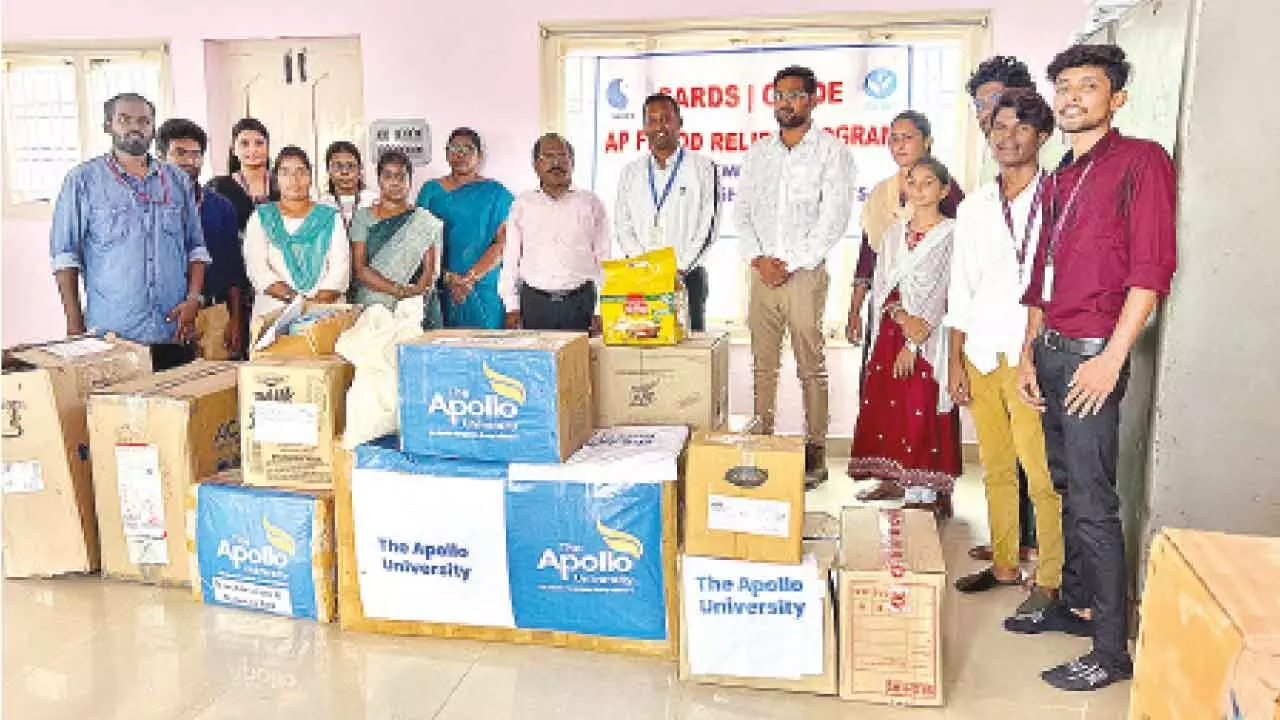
[557,236]
[669,197]
[183,143]
[129,223]
[1106,257]
[794,201]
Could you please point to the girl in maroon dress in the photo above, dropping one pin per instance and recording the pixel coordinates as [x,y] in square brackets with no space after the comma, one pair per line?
[908,432]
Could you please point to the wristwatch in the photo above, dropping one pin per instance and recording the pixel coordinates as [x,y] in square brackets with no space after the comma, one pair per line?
[913,347]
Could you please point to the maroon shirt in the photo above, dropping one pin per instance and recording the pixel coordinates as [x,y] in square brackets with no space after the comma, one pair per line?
[1119,235]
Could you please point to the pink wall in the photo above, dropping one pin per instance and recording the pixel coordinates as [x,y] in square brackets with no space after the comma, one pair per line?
[477,64]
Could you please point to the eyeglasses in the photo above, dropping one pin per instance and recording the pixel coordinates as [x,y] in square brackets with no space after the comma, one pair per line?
[459,149]
[987,103]
[180,154]
[343,166]
[789,97]
[552,159]
[392,176]
[297,172]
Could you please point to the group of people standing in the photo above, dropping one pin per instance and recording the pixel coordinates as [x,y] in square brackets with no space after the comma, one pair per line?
[1021,301]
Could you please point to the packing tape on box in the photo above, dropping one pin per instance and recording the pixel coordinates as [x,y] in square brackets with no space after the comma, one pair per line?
[891,523]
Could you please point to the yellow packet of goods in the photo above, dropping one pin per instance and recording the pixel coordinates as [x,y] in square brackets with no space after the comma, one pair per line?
[643,301]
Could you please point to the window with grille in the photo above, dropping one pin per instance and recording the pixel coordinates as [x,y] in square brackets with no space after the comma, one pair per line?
[53,104]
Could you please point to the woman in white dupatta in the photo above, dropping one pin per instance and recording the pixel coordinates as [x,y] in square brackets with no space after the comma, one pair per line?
[908,432]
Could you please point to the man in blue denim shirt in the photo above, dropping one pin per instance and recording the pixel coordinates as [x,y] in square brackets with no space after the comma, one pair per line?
[130,224]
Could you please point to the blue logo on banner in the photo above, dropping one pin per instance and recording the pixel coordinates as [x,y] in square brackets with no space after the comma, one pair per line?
[880,83]
[253,548]
[494,404]
[587,558]
[616,98]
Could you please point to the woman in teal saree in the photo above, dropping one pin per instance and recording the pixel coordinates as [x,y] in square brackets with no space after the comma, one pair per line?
[395,247]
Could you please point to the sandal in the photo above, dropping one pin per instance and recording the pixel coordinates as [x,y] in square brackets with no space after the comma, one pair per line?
[884,491]
[983,553]
[982,581]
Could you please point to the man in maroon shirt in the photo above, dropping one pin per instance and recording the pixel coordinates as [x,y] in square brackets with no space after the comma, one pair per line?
[1106,258]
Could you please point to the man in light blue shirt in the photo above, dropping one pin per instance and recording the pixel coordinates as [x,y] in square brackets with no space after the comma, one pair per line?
[130,225]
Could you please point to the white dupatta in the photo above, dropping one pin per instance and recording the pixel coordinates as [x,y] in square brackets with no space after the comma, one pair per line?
[922,277]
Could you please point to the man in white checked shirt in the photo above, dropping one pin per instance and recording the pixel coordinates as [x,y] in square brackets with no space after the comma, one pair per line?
[794,203]
[669,197]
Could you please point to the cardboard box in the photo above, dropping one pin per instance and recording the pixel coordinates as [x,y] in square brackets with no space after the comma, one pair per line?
[642,301]
[260,549]
[744,497]
[821,526]
[1209,640]
[292,414]
[685,384]
[317,339]
[580,554]
[152,438]
[49,523]
[891,582]
[761,620]
[502,396]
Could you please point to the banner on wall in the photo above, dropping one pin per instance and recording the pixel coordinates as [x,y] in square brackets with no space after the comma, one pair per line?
[726,102]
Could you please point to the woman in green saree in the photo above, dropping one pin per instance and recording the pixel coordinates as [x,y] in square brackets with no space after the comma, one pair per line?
[395,246]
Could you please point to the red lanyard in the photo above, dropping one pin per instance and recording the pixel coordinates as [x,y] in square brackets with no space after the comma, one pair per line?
[141,195]
[1060,219]
[1021,250]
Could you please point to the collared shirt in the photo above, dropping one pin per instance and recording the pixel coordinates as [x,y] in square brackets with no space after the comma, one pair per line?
[132,240]
[222,238]
[794,204]
[1120,234]
[553,244]
[987,281]
[266,264]
[688,219]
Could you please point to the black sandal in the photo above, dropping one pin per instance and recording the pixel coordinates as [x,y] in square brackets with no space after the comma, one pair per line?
[982,581]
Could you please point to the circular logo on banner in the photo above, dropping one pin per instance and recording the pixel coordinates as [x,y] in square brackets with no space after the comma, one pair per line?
[880,83]
[617,99]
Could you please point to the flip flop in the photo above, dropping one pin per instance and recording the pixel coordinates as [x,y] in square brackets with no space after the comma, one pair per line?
[982,581]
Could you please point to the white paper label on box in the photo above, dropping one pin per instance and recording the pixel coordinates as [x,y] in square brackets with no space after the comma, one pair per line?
[253,596]
[747,619]
[147,550]
[748,515]
[432,549]
[141,492]
[281,423]
[78,348]
[23,477]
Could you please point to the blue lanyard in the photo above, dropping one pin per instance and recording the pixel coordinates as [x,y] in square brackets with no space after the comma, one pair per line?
[658,202]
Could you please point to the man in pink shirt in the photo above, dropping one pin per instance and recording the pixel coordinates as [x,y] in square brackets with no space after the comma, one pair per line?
[557,237]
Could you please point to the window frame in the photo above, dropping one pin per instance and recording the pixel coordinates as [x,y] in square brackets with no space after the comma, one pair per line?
[81,58]
[972,30]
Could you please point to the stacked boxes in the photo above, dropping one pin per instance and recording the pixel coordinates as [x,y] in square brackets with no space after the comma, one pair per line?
[152,438]
[50,526]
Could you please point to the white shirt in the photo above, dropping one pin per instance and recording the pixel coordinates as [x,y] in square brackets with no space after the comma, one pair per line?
[985,299]
[688,219]
[553,244]
[346,205]
[265,263]
[794,204]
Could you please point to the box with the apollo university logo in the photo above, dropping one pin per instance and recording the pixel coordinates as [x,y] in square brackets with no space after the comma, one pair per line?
[891,582]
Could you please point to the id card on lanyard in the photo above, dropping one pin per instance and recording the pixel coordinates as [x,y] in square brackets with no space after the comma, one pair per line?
[657,234]
[1059,225]
[1020,250]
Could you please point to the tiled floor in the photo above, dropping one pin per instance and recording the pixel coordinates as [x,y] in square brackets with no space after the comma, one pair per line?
[82,648]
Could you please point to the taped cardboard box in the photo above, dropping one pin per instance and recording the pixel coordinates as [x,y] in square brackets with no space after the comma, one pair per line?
[152,438]
[260,549]
[821,526]
[642,301]
[760,625]
[293,413]
[50,527]
[501,396]
[1209,640]
[556,555]
[308,330]
[891,582]
[685,384]
[744,497]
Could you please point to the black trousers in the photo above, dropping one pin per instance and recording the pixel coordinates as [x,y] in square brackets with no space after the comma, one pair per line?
[696,285]
[573,310]
[1082,456]
[165,356]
